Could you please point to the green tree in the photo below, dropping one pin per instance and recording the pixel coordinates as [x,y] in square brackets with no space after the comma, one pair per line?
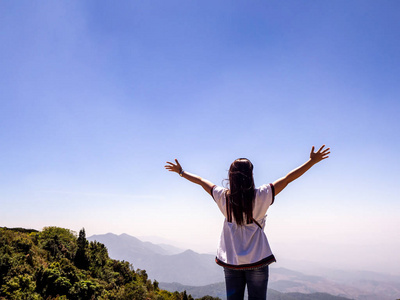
[19,288]
[59,242]
[81,257]
[184,295]
[155,285]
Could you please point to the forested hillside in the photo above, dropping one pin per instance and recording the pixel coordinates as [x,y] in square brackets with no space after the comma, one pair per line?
[55,263]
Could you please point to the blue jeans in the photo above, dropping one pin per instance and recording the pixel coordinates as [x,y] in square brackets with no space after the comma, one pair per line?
[256,280]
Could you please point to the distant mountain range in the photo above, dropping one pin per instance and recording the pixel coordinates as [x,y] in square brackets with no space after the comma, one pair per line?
[218,290]
[175,269]
[161,261]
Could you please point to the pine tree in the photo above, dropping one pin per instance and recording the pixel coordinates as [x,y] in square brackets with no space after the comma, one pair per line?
[81,257]
[184,296]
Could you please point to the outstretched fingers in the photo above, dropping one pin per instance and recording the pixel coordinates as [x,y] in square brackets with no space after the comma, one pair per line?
[173,167]
[325,153]
[170,166]
[320,154]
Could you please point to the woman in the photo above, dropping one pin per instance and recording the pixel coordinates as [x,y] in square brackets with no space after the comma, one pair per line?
[243,249]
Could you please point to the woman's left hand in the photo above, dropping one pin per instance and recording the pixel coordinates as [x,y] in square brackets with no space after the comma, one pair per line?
[321,154]
[173,167]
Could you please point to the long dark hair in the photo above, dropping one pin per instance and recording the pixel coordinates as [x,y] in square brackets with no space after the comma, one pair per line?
[240,195]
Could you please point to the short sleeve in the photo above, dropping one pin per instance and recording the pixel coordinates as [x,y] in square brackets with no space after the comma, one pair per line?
[273,192]
[218,193]
[265,196]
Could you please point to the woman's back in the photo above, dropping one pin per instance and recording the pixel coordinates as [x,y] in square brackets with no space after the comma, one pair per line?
[244,246]
[263,198]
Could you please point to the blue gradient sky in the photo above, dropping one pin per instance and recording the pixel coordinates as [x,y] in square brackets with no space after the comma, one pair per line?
[97,95]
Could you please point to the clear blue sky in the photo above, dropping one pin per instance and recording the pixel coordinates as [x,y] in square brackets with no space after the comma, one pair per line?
[97,95]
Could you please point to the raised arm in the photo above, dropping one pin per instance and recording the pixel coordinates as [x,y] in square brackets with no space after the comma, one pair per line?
[315,157]
[207,185]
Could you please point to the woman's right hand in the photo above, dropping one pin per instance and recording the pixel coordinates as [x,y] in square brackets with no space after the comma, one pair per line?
[173,167]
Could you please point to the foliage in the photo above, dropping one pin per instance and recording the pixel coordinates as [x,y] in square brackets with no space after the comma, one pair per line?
[55,263]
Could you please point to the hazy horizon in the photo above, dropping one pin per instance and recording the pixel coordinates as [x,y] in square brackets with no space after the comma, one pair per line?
[96,96]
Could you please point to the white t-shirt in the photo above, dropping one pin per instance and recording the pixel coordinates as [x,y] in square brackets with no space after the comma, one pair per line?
[245,246]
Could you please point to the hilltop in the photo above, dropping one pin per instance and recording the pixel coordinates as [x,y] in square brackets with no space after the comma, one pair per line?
[56,263]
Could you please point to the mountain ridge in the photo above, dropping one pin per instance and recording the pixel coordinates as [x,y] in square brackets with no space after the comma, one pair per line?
[218,290]
[55,263]
[190,268]
[187,267]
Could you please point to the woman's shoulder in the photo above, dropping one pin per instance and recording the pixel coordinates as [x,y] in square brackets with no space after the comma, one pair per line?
[218,188]
[264,188]
[218,191]
[266,192]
